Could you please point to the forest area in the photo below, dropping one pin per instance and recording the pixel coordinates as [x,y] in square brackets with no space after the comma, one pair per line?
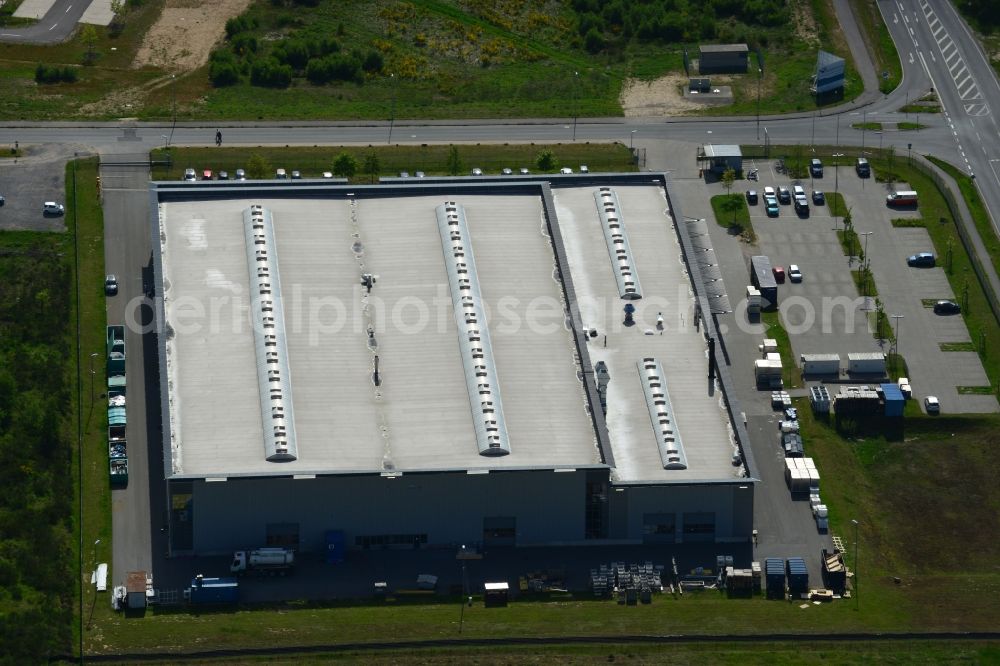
[36,485]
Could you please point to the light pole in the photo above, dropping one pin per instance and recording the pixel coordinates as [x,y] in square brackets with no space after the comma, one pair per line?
[465,591]
[93,373]
[760,75]
[857,586]
[895,320]
[392,112]
[864,267]
[836,182]
[631,139]
[576,101]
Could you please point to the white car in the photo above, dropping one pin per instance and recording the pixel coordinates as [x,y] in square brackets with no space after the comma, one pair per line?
[584,168]
[476,171]
[565,170]
[328,174]
[794,274]
[281,174]
[769,192]
[52,208]
[506,171]
[931,405]
[797,191]
[189,174]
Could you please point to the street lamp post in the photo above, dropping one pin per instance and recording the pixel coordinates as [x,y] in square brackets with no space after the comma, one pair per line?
[760,75]
[392,111]
[576,101]
[93,373]
[631,139]
[836,185]
[857,586]
[895,320]
[465,591]
[865,274]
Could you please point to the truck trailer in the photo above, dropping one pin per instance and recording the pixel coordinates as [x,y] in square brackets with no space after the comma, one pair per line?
[762,278]
[272,561]
[213,590]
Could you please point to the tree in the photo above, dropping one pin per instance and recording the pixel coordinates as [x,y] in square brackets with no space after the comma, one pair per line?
[546,161]
[372,165]
[728,178]
[89,38]
[345,165]
[454,162]
[118,10]
[258,168]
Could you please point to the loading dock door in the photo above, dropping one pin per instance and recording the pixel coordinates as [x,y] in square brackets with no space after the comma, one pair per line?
[699,527]
[659,527]
[499,531]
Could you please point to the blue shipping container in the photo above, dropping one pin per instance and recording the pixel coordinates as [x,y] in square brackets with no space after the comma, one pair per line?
[214,591]
[894,400]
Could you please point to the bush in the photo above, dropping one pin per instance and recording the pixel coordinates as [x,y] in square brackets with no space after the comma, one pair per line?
[373,62]
[235,26]
[293,52]
[269,73]
[223,74]
[55,74]
[546,161]
[345,165]
[244,44]
[593,41]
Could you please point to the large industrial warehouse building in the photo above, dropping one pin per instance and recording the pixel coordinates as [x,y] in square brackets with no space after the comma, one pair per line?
[417,365]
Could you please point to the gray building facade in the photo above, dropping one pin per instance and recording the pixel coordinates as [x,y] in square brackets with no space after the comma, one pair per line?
[723,58]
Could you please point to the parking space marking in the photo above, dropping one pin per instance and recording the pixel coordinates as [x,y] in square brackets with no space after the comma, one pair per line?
[977,109]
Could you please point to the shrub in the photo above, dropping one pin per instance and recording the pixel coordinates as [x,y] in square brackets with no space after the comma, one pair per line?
[593,41]
[55,74]
[223,73]
[244,44]
[373,62]
[345,165]
[546,161]
[270,73]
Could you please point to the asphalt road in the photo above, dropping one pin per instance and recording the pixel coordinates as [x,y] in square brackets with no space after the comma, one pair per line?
[55,27]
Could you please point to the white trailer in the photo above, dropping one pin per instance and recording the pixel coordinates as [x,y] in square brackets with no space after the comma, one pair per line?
[753,299]
[866,363]
[767,373]
[263,560]
[820,364]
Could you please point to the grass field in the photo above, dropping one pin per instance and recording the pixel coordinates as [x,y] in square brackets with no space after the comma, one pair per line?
[442,60]
[431,159]
[731,212]
[791,374]
[885,57]
[976,207]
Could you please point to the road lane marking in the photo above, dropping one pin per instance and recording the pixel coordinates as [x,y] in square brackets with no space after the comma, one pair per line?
[54,26]
[69,8]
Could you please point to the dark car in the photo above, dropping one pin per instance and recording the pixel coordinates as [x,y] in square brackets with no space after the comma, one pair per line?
[752,197]
[110,284]
[818,198]
[784,196]
[779,274]
[921,260]
[2,200]
[947,308]
[816,168]
[862,167]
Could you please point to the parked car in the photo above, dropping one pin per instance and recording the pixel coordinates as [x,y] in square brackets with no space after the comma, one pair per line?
[779,273]
[752,197]
[768,191]
[241,174]
[206,174]
[931,405]
[223,175]
[565,170]
[404,174]
[921,260]
[476,171]
[947,308]
[862,167]
[818,198]
[328,175]
[816,168]
[797,191]
[584,168]
[794,274]
[772,206]
[802,205]
[110,284]
[296,175]
[280,174]
[419,174]
[506,171]
[784,196]
[2,200]
[189,174]
[52,208]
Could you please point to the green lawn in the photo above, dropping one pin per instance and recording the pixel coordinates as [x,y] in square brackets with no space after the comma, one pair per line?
[909,127]
[835,203]
[431,159]
[731,212]
[881,46]
[976,207]
[791,374]
[871,127]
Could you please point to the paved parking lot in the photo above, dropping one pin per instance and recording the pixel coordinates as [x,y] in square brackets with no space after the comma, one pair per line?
[818,312]
[26,183]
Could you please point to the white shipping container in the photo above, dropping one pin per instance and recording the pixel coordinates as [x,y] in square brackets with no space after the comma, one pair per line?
[867,363]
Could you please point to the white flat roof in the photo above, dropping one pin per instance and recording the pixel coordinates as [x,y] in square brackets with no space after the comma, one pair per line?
[699,416]
[419,418]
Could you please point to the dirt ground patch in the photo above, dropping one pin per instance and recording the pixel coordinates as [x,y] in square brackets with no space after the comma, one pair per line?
[182,38]
[659,97]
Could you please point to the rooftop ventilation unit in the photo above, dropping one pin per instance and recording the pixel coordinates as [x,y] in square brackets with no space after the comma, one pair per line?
[661,416]
[473,333]
[622,261]
[269,337]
